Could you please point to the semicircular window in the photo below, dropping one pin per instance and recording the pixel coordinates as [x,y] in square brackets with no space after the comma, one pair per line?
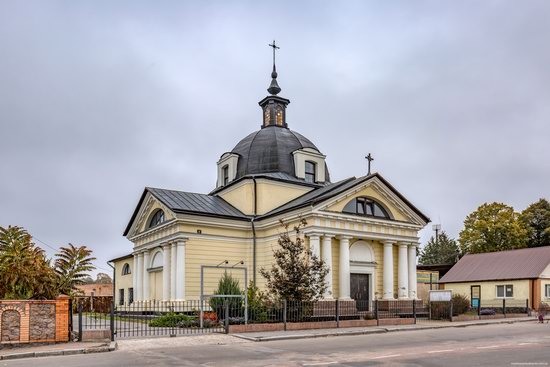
[367,207]
[156,219]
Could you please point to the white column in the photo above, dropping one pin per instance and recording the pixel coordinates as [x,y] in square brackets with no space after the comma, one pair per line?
[166,272]
[139,269]
[388,270]
[180,270]
[412,271]
[173,267]
[327,258]
[344,269]
[314,245]
[146,293]
[135,276]
[403,273]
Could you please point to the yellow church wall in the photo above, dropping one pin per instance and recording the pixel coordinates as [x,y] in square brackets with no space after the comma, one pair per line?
[489,292]
[241,197]
[370,192]
[272,195]
[212,252]
[123,281]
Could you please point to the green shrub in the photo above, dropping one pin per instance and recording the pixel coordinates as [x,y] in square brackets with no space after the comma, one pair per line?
[258,304]
[227,285]
[170,320]
[461,304]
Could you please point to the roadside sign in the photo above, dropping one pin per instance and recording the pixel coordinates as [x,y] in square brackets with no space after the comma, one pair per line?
[441,295]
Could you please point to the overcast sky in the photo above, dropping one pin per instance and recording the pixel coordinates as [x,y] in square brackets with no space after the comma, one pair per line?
[99,99]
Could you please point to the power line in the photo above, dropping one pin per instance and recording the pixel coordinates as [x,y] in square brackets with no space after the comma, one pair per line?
[55,249]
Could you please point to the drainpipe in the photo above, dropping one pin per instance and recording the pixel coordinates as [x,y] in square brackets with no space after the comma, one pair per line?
[254,232]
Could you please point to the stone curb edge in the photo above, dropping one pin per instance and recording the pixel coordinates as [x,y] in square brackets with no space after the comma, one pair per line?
[378,330]
[63,352]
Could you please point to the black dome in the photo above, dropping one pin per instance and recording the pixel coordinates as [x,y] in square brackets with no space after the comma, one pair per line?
[270,150]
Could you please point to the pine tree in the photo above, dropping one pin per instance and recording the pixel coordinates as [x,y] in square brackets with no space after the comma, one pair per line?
[443,251]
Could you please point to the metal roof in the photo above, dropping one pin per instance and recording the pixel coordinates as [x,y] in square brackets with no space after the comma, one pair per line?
[190,202]
[324,193]
[526,263]
[270,150]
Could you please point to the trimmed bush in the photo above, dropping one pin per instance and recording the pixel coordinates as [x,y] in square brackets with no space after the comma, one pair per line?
[170,320]
[461,304]
[227,285]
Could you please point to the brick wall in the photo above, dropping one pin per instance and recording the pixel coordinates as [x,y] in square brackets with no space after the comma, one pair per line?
[32,321]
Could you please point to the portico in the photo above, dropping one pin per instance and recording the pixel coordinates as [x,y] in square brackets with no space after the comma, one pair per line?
[171,266]
[390,263]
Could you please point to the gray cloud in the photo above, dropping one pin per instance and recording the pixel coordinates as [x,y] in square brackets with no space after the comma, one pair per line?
[99,99]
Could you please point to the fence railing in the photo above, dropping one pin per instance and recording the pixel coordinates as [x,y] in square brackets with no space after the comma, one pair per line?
[503,306]
[150,318]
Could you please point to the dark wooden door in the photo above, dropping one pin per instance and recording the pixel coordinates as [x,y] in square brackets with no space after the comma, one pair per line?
[359,290]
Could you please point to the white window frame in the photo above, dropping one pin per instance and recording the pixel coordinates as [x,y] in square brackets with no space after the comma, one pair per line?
[504,293]
[547,291]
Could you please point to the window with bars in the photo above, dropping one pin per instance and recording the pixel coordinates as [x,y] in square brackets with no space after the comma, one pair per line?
[121,297]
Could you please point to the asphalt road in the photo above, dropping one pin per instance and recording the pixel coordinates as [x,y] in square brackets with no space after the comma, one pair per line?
[520,344]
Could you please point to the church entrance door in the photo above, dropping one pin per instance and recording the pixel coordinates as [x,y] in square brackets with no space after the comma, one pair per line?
[359,290]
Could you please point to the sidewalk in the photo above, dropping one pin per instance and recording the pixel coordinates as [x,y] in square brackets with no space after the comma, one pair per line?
[421,325]
[31,351]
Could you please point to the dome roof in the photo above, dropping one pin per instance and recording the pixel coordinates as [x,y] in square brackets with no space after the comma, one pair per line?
[270,150]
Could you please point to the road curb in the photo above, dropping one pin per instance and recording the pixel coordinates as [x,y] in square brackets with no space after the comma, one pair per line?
[62,352]
[378,330]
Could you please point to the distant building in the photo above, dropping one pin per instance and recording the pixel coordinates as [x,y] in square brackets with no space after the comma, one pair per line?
[516,276]
[96,289]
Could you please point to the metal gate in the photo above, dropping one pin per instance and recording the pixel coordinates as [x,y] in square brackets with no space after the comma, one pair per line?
[152,318]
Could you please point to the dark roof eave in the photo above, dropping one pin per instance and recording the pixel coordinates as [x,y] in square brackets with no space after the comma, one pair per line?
[442,281]
[134,215]
[202,214]
[121,258]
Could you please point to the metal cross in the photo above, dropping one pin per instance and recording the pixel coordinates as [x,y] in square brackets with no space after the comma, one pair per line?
[370,159]
[275,47]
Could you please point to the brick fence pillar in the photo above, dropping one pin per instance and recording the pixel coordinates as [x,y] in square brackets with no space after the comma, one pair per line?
[62,318]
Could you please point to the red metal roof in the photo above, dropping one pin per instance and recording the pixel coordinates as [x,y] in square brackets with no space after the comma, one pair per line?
[526,263]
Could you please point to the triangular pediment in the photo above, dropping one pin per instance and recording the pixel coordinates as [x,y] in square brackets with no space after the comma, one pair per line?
[146,207]
[380,191]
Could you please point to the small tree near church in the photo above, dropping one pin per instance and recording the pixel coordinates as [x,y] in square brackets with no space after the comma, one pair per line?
[443,251]
[297,274]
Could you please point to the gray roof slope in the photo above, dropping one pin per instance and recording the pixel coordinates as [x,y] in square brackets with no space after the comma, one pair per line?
[514,264]
[324,193]
[190,203]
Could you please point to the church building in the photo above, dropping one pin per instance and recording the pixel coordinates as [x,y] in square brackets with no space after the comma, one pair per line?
[362,227]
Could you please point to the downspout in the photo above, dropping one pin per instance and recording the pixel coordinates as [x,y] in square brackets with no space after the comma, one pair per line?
[254,232]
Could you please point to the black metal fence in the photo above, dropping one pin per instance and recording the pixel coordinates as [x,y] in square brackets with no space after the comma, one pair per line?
[505,306]
[157,318]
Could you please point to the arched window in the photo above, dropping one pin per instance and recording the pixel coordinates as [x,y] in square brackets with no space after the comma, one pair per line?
[366,206]
[126,269]
[310,172]
[156,219]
